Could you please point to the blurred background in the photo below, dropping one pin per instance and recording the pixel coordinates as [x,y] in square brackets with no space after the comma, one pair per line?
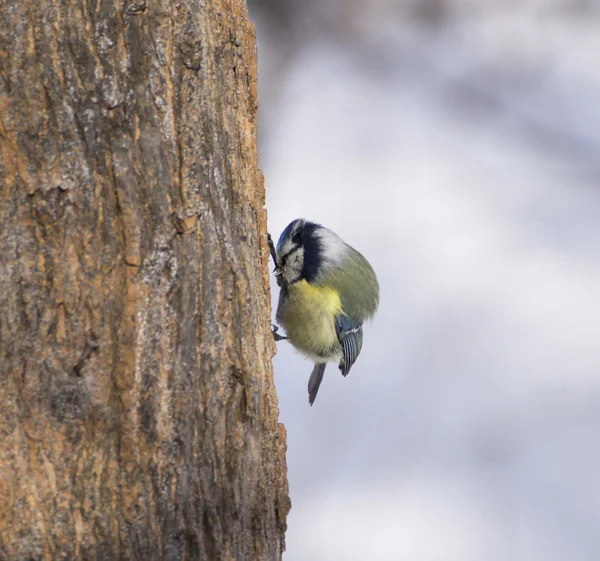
[457,145]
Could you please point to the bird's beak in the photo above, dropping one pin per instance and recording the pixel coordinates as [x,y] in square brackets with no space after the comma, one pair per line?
[277,272]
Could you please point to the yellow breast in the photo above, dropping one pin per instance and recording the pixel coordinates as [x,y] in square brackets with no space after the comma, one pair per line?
[309,318]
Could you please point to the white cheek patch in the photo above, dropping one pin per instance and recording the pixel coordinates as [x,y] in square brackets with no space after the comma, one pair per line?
[294,264]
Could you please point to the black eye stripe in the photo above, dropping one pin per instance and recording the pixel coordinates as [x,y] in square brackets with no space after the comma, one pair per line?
[284,258]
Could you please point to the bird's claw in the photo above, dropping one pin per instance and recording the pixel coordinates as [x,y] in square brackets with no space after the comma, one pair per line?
[276,336]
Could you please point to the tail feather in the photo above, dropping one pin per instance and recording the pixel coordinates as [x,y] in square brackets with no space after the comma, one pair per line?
[314,381]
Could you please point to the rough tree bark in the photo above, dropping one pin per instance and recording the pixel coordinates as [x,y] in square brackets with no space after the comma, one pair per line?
[138,417]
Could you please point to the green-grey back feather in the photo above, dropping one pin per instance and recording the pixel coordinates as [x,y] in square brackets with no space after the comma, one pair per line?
[356,284]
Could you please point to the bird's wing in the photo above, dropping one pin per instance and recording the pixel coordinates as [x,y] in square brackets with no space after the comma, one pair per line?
[356,283]
[314,381]
[350,336]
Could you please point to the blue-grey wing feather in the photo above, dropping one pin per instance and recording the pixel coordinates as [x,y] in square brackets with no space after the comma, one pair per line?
[350,336]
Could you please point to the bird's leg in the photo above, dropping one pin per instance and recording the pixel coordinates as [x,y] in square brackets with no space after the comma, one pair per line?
[276,336]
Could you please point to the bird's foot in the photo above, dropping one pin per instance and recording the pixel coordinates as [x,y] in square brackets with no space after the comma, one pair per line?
[276,336]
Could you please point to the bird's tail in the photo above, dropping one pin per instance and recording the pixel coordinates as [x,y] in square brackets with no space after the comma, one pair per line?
[315,380]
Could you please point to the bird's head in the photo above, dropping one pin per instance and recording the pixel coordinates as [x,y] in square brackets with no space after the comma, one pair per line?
[306,250]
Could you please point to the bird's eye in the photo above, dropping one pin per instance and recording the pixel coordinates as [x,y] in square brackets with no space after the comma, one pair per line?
[297,237]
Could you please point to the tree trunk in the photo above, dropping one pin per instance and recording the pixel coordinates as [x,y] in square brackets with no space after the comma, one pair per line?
[138,417]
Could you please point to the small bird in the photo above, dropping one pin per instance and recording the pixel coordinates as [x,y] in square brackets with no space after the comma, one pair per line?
[327,290]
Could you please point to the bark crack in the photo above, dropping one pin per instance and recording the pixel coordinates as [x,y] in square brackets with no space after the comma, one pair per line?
[91,344]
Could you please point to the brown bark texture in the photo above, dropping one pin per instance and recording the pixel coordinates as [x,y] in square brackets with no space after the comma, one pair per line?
[138,416]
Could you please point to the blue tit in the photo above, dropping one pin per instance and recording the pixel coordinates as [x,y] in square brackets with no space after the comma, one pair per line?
[327,290]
